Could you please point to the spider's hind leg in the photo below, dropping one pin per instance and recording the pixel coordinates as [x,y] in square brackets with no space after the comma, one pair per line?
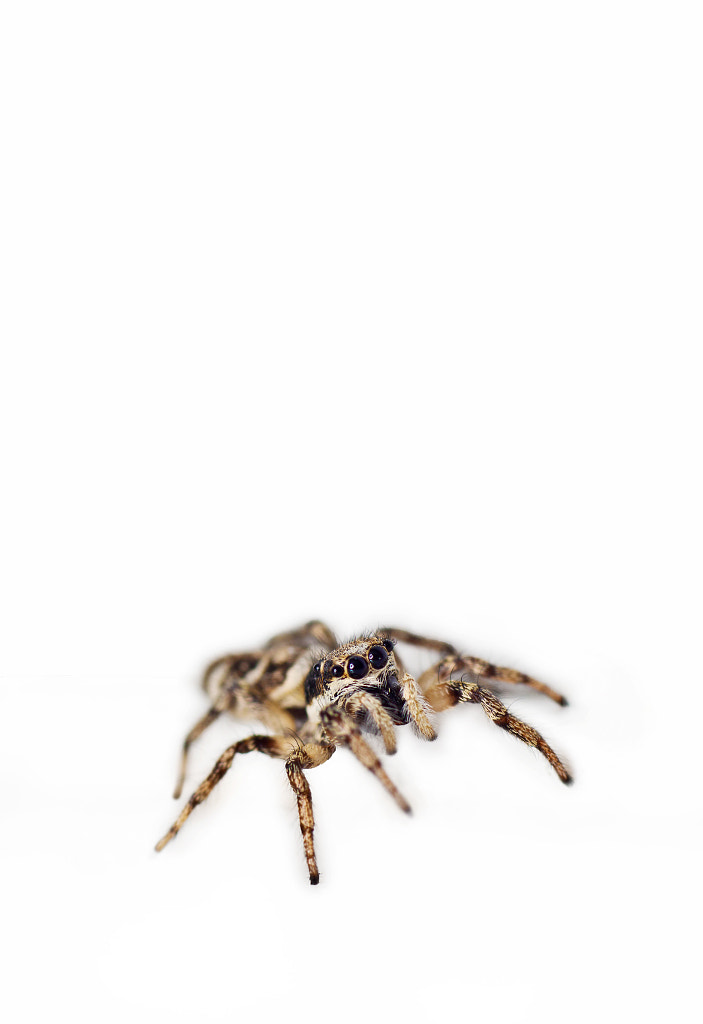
[223,702]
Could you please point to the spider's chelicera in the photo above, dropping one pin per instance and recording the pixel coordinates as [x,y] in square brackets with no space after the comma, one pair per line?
[348,692]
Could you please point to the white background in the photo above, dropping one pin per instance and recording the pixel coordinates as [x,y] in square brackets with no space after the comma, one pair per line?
[377,312]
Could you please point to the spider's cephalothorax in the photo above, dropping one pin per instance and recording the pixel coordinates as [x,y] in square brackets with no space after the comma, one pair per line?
[363,679]
[316,694]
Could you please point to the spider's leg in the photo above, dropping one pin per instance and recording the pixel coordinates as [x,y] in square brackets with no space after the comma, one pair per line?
[234,667]
[211,715]
[309,756]
[213,667]
[442,695]
[274,746]
[406,637]
[342,730]
[322,633]
[480,670]
[314,629]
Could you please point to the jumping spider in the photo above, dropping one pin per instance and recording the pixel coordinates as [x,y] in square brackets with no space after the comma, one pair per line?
[316,694]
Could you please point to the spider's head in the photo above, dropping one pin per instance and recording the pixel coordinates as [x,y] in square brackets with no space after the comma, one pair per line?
[367,663]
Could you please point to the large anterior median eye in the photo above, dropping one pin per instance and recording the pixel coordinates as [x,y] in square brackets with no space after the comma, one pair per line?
[357,667]
[378,656]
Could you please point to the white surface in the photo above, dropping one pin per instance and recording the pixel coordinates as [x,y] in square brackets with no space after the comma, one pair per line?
[374,312]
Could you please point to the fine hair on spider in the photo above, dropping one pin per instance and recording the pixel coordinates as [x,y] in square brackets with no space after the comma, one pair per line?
[315,694]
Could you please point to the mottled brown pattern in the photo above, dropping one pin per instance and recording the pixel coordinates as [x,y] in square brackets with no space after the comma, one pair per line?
[356,688]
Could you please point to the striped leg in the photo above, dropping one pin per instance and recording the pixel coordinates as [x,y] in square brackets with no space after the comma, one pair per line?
[479,669]
[313,630]
[416,640]
[309,756]
[228,670]
[297,757]
[274,746]
[342,731]
[223,702]
[442,695]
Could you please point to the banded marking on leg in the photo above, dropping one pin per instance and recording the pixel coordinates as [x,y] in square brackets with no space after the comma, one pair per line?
[445,695]
[211,715]
[480,670]
[274,746]
[406,637]
[347,734]
[301,788]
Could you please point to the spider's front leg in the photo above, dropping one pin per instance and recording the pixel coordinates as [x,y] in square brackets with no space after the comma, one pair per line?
[445,694]
[343,732]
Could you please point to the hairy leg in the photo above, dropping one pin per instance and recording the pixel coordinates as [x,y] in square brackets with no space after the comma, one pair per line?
[297,756]
[313,630]
[222,703]
[442,695]
[343,732]
[308,756]
[274,746]
[479,669]
[406,637]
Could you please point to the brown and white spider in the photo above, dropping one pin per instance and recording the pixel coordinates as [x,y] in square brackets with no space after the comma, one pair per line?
[316,695]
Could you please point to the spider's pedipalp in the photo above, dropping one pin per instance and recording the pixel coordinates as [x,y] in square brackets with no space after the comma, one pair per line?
[418,708]
[372,706]
[444,695]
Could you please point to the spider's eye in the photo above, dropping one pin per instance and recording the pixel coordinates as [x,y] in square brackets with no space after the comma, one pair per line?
[337,671]
[389,645]
[316,668]
[357,667]
[378,656]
